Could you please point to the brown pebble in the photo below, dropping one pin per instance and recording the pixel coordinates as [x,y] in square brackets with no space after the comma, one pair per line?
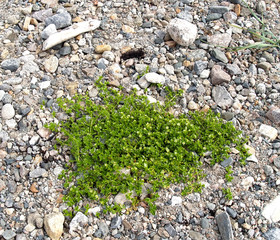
[237,9]
[33,188]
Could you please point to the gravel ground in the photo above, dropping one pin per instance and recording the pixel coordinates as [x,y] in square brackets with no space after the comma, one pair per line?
[184,45]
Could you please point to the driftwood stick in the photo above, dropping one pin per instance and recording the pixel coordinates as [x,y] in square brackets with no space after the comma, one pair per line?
[70,32]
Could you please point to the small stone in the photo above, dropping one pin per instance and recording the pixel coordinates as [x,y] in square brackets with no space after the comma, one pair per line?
[8,111]
[13,81]
[219,76]
[231,212]
[272,210]
[51,64]
[176,201]
[44,132]
[116,222]
[261,7]
[11,64]
[213,16]
[61,20]
[33,188]
[103,227]
[224,226]
[2,185]
[102,48]
[252,158]
[218,9]
[199,66]
[182,31]
[34,140]
[233,69]
[65,51]
[79,220]
[154,78]
[126,225]
[274,114]
[272,234]
[170,229]
[193,105]
[268,131]
[204,223]
[29,228]
[222,97]
[227,162]
[266,66]
[219,39]
[53,224]
[247,182]
[94,210]
[196,235]
[268,170]
[49,30]
[219,55]
[8,234]
[127,29]
[26,23]
[38,172]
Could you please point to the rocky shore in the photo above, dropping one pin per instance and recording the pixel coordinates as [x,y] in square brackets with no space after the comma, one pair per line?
[51,49]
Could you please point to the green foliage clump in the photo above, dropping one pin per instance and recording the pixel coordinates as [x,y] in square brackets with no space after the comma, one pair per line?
[124,141]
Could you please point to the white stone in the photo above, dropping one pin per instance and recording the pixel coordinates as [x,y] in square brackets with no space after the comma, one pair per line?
[8,111]
[2,93]
[94,210]
[268,131]
[11,123]
[205,73]
[154,78]
[58,170]
[53,224]
[193,106]
[29,228]
[79,220]
[272,210]
[151,99]
[247,182]
[51,64]
[182,31]
[141,210]
[252,158]
[176,201]
[49,30]
[34,140]
[44,85]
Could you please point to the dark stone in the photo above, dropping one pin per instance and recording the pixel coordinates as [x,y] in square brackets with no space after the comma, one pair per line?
[241,220]
[224,226]
[218,9]
[213,16]
[11,64]
[170,229]
[116,222]
[199,66]
[60,20]
[227,162]
[65,51]
[231,212]
[227,116]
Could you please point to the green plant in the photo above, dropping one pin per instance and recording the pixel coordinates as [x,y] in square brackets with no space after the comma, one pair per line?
[228,175]
[265,36]
[228,193]
[124,142]
[144,72]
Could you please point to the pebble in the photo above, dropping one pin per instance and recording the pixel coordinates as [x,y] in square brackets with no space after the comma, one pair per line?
[272,210]
[182,31]
[53,224]
[224,225]
[51,64]
[222,97]
[49,30]
[38,172]
[218,75]
[154,78]
[268,131]
[10,64]
[61,20]
[8,111]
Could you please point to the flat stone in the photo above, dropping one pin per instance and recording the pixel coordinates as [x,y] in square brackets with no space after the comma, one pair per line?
[219,39]
[102,48]
[61,20]
[11,64]
[272,210]
[213,16]
[103,227]
[30,67]
[224,226]
[222,97]
[154,78]
[266,66]
[196,235]
[43,14]
[44,132]
[8,234]
[116,222]
[274,114]
[199,66]
[218,75]
[51,64]
[53,224]
[13,81]
[182,31]
[38,172]
[227,162]
[268,131]
[218,9]
[8,111]
[219,55]
[170,229]
[233,69]
[176,201]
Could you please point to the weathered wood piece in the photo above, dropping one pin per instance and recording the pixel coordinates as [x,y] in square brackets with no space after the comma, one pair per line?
[70,32]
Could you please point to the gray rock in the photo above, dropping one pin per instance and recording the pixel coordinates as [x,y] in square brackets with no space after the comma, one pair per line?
[196,235]
[227,116]
[219,9]
[186,15]
[8,234]
[79,220]
[65,51]
[222,97]
[233,69]
[196,55]
[272,210]
[116,222]
[199,66]
[268,170]
[269,57]
[277,162]
[272,234]
[261,7]
[253,69]
[30,67]
[235,1]
[224,226]
[102,63]
[266,66]
[231,212]
[213,16]
[12,186]
[43,14]
[49,30]
[218,75]
[227,162]
[204,223]
[219,55]
[21,237]
[11,64]
[38,172]
[8,111]
[154,78]
[61,20]
[140,68]
[103,227]
[7,98]
[13,81]
[274,114]
[182,31]
[180,217]
[170,229]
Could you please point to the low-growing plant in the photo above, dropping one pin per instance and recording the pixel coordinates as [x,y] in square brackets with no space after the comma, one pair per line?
[228,193]
[228,175]
[123,142]
[266,38]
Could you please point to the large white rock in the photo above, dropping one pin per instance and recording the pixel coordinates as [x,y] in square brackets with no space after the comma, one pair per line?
[53,224]
[182,31]
[154,78]
[272,210]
